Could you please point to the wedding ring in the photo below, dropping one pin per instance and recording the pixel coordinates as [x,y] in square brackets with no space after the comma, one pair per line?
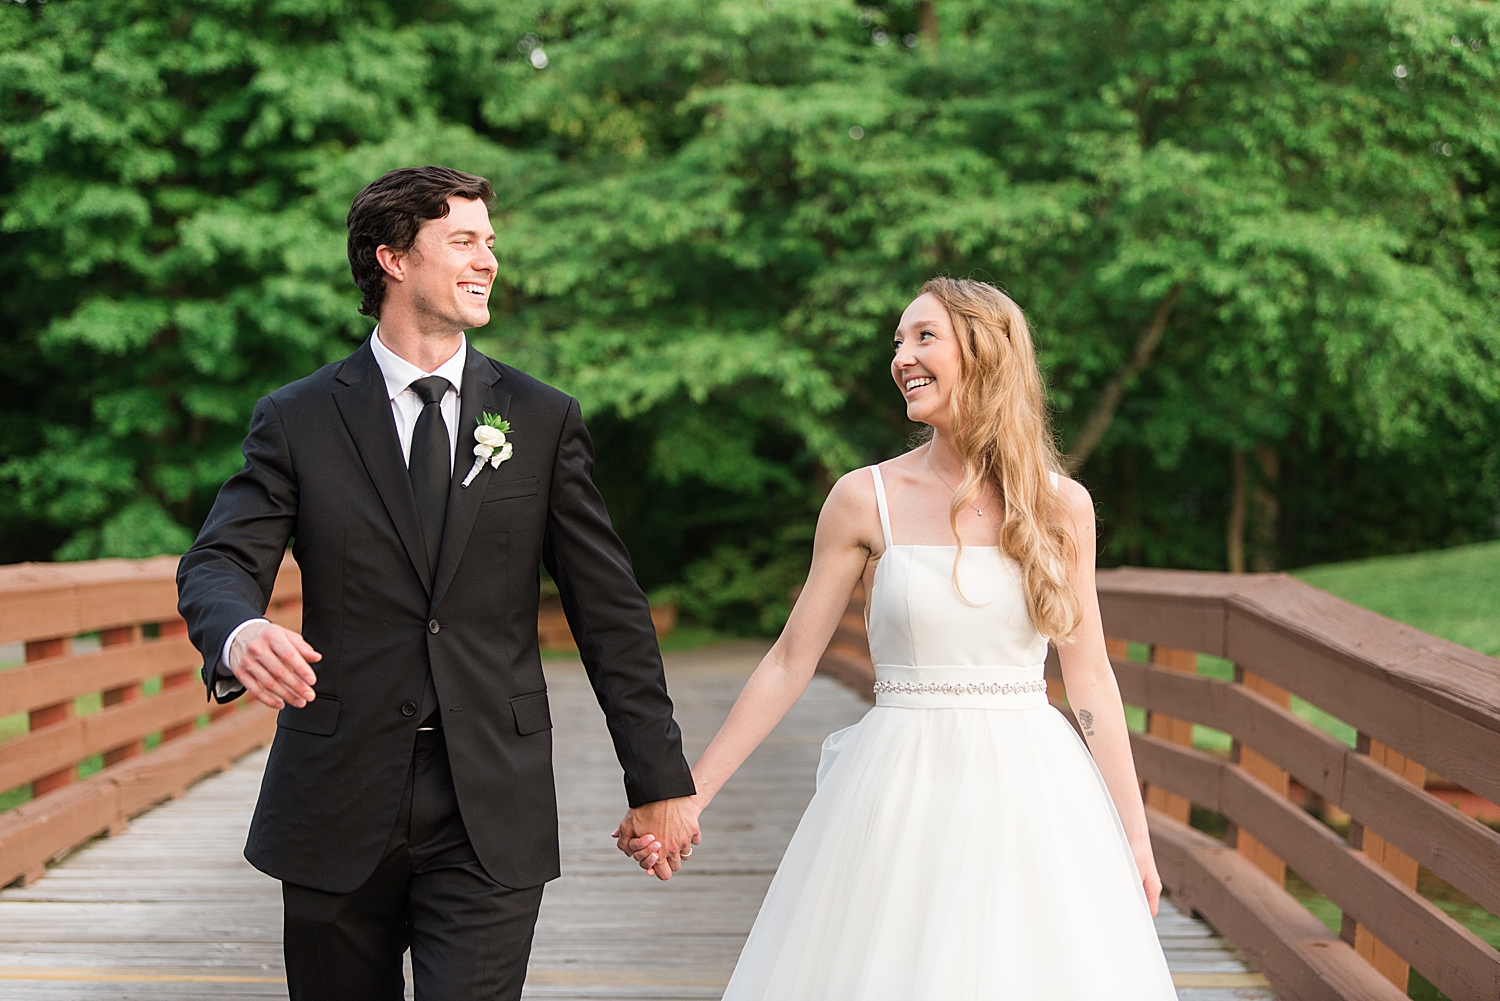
[686,852]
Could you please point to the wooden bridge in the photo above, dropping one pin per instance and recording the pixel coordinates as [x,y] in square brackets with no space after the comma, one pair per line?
[117,896]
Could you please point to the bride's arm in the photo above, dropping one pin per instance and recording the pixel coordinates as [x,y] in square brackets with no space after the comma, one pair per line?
[1095,697]
[841,550]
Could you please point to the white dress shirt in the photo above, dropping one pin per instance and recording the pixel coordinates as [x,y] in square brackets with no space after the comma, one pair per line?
[406,407]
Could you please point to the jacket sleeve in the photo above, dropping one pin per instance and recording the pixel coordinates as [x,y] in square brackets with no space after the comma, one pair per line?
[226,577]
[611,620]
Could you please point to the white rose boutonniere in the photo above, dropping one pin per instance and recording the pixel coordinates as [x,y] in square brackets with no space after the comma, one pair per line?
[491,446]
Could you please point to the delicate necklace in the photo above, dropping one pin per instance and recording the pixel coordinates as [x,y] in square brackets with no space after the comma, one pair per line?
[951,488]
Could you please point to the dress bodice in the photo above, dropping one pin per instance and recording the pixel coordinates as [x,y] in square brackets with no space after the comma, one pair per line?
[934,647]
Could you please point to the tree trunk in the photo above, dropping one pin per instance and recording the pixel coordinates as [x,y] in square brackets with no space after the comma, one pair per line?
[1236,529]
[1114,390]
[928,22]
[1267,510]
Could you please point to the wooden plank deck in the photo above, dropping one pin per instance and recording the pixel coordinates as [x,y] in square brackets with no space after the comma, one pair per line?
[170,909]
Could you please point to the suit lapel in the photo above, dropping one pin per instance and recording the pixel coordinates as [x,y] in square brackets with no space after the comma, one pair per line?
[481,393]
[366,409]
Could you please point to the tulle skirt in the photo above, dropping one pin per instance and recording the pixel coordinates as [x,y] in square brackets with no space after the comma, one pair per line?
[955,854]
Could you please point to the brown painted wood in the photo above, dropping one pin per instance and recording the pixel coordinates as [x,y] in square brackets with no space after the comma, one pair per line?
[43,600]
[1176,608]
[60,747]
[36,831]
[167,771]
[45,606]
[55,679]
[45,719]
[36,602]
[1348,671]
[1171,729]
[122,636]
[1266,772]
[554,633]
[1461,850]
[1386,855]
[1301,958]
[1430,699]
[1453,958]
[50,825]
[66,599]
[187,681]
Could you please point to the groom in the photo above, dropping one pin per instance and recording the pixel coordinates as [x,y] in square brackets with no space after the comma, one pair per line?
[408,800]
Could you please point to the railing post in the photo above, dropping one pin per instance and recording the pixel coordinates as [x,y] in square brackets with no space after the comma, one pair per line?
[176,627]
[1262,768]
[1388,857]
[49,715]
[127,693]
[1169,728]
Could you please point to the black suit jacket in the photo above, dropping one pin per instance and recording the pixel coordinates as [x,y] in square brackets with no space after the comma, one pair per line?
[323,466]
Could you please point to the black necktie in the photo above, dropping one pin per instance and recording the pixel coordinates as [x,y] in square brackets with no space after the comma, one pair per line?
[431,464]
[431,469]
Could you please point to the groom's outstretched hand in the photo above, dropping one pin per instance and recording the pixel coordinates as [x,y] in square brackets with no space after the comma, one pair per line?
[274,664]
[660,835]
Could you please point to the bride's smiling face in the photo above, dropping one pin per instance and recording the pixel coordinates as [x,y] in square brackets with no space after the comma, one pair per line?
[927,361]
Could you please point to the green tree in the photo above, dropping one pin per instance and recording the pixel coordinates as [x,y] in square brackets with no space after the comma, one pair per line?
[1252,228]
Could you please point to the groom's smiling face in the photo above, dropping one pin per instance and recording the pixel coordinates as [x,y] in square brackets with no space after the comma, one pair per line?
[449,271]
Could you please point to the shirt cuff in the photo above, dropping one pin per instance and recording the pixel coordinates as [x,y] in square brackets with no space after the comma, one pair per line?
[225,683]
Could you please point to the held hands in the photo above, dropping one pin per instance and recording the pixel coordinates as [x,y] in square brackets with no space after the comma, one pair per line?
[273,664]
[660,835]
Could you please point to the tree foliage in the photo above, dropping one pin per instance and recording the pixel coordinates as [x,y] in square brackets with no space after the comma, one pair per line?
[1257,226]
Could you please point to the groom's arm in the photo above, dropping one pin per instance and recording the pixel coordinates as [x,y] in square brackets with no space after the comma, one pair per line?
[611,621]
[224,581]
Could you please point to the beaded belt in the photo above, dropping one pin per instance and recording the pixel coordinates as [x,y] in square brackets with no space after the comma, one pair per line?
[960,686]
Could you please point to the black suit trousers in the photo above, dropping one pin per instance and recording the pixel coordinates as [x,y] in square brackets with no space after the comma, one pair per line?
[469,936]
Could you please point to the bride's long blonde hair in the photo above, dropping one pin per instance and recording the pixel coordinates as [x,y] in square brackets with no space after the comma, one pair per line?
[1001,430]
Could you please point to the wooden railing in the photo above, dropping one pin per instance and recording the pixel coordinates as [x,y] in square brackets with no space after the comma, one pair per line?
[1417,702]
[131,607]
[127,611]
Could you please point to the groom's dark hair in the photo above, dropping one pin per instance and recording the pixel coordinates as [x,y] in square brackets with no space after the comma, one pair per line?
[392,209]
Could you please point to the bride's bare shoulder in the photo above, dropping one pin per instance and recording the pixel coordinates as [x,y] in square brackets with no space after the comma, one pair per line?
[1075,497]
[850,515]
[852,496]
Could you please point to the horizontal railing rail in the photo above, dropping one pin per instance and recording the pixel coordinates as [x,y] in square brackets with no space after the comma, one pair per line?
[1416,702]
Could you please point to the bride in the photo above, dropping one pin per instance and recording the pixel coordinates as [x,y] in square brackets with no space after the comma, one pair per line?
[963,842]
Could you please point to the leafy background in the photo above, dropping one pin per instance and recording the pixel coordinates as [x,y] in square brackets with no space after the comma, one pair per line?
[1256,240]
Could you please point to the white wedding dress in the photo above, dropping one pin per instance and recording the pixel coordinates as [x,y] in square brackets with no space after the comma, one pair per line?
[962,844]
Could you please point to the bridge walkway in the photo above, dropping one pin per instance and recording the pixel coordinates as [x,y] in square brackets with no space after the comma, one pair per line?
[170,910]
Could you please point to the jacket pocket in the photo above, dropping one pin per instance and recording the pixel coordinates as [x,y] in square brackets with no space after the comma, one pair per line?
[320,716]
[532,713]
[524,486]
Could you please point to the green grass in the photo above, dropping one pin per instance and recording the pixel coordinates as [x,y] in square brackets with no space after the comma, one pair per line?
[1452,593]
[691,638]
[682,638]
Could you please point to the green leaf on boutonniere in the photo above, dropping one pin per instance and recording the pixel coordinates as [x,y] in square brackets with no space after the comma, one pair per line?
[495,421]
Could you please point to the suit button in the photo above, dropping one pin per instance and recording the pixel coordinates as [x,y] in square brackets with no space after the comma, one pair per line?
[408,709]
[433,627]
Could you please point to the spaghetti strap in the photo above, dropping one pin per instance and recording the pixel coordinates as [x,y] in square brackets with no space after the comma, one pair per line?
[1054,478]
[885,514]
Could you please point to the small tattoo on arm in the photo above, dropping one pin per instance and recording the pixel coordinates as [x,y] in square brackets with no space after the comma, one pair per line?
[1086,720]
